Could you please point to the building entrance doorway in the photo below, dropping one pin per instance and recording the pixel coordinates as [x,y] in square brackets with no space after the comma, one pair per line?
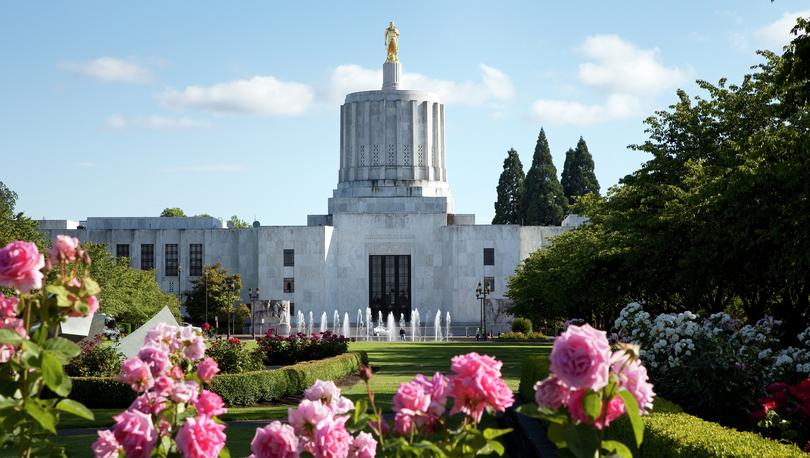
[389,285]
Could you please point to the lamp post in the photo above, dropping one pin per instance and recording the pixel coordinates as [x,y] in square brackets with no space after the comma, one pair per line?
[205,272]
[254,298]
[230,284]
[179,283]
[481,293]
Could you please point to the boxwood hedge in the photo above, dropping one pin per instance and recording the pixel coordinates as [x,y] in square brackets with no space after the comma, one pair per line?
[670,432]
[246,388]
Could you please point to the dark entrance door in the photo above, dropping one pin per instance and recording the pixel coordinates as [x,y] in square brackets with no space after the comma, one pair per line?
[389,285]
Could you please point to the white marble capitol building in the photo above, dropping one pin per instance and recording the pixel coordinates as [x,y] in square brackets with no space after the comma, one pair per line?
[390,239]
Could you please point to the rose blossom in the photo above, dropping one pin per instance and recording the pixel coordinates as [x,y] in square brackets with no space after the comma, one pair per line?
[551,393]
[411,399]
[323,391]
[576,409]
[63,249]
[8,306]
[207,369]
[20,263]
[210,404]
[135,373]
[363,446]
[194,349]
[477,385]
[149,403]
[201,437]
[275,440]
[403,423]
[580,358]
[633,378]
[155,359]
[308,416]
[105,446]
[163,336]
[185,391]
[438,389]
[135,432]
[331,440]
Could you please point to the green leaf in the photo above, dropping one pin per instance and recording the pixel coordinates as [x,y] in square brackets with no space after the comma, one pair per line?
[76,408]
[635,418]
[90,287]
[61,295]
[53,374]
[8,336]
[582,440]
[31,348]
[7,402]
[62,348]
[491,447]
[492,433]
[616,448]
[225,453]
[592,402]
[556,434]
[43,416]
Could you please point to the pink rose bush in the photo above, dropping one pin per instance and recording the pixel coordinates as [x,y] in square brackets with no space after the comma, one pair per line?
[173,413]
[591,385]
[31,352]
[327,425]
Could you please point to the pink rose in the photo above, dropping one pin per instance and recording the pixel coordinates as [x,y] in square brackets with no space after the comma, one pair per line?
[438,388]
[209,404]
[363,446]
[275,440]
[63,249]
[331,440]
[149,403]
[135,432]
[576,410]
[92,305]
[207,369]
[322,391]
[8,306]
[403,423]
[163,385]
[308,416]
[105,446]
[477,385]
[551,393]
[194,349]
[633,378]
[185,391]
[163,336]
[155,359]
[20,263]
[201,437]
[135,373]
[411,399]
[580,358]
[176,373]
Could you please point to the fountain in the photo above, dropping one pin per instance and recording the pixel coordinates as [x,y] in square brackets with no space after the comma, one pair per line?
[414,325]
[369,323]
[336,322]
[447,327]
[437,326]
[391,327]
[324,322]
[346,325]
[425,332]
[358,324]
[310,324]
[299,321]
[401,320]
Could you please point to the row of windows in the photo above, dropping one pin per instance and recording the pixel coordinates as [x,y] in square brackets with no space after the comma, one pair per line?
[171,258]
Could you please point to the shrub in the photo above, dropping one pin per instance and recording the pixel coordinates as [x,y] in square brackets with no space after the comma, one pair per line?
[522,336]
[523,325]
[234,357]
[101,392]
[300,347]
[669,432]
[98,358]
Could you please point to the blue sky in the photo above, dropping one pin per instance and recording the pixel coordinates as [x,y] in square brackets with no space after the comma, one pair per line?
[122,109]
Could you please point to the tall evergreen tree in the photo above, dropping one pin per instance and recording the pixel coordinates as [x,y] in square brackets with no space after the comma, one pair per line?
[510,191]
[578,177]
[544,202]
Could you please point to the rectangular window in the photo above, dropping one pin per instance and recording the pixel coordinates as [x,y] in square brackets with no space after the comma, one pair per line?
[147,256]
[292,308]
[389,287]
[289,284]
[170,259]
[289,258]
[490,282]
[122,250]
[489,256]
[195,259]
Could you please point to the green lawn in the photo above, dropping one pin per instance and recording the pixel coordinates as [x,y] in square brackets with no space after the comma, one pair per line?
[393,363]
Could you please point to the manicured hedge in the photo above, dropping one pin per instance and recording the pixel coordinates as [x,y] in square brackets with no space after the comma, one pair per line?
[247,388]
[670,432]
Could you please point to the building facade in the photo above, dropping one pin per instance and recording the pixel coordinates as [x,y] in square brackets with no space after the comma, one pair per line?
[390,239]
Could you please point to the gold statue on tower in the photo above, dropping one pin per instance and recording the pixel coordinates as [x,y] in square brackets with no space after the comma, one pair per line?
[391,45]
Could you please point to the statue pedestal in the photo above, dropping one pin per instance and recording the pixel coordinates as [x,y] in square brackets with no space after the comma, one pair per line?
[392,72]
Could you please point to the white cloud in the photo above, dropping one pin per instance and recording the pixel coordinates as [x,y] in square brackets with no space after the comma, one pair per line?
[197,168]
[777,33]
[622,67]
[116,121]
[617,106]
[495,85]
[110,69]
[264,95]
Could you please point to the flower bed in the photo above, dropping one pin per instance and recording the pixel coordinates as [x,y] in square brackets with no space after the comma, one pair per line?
[233,356]
[670,432]
[300,347]
[530,336]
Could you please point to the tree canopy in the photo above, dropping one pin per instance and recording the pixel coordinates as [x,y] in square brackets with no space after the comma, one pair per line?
[508,207]
[172,212]
[578,176]
[15,225]
[222,289]
[237,223]
[716,220]
[544,203]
